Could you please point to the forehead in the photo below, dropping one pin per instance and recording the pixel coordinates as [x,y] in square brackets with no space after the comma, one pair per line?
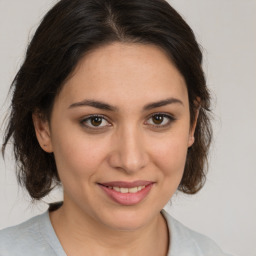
[125,73]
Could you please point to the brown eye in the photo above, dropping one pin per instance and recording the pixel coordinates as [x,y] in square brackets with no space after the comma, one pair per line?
[157,119]
[160,120]
[96,120]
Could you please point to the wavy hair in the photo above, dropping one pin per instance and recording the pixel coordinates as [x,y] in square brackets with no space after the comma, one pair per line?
[70,30]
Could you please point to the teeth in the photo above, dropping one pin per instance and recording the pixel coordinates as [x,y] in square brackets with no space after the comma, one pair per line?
[126,190]
[140,188]
[133,190]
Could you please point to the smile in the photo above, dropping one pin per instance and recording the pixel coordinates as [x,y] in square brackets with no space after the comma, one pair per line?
[127,193]
[127,190]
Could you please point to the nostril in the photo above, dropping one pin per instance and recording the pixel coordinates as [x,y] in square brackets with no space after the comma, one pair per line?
[128,152]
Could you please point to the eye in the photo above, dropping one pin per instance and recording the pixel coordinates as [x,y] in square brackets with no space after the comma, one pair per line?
[160,120]
[95,121]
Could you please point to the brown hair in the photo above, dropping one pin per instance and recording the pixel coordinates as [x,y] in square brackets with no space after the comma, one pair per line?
[68,31]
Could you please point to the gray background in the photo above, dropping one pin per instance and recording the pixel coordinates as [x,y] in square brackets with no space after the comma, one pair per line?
[225,208]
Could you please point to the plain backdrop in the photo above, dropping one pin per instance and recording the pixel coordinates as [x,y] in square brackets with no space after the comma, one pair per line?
[225,209]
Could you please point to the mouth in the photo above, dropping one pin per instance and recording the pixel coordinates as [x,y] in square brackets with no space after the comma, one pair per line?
[127,190]
[127,193]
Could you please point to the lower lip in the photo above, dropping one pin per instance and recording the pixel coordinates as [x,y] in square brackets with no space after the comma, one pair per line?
[127,198]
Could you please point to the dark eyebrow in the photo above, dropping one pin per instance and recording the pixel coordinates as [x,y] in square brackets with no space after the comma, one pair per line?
[95,104]
[105,106]
[162,103]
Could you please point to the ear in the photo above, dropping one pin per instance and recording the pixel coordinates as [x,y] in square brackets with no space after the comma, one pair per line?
[42,129]
[191,138]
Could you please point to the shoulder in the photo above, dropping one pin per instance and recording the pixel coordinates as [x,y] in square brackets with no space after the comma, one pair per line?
[25,238]
[185,241]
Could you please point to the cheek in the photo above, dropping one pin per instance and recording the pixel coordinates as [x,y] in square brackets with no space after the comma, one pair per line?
[170,155]
[77,156]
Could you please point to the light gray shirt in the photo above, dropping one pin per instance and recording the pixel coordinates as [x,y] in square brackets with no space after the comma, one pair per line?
[36,237]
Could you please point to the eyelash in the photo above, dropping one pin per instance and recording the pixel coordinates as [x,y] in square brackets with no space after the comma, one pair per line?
[164,115]
[170,118]
[90,118]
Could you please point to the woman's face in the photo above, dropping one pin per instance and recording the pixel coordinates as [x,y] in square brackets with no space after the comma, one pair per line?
[119,131]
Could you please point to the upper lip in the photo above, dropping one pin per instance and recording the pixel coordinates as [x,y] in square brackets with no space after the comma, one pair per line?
[125,184]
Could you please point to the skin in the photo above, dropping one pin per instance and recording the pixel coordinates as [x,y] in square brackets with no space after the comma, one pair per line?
[128,145]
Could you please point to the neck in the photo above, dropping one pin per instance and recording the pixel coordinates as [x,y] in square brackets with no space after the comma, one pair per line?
[83,235]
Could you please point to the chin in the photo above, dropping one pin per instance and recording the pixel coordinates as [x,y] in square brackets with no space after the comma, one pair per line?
[128,219]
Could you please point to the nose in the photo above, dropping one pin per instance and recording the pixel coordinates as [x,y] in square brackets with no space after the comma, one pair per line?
[128,151]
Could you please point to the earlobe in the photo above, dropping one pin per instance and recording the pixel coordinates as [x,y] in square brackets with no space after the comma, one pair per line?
[42,130]
[191,139]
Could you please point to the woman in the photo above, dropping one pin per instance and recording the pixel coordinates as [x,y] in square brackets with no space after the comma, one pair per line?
[110,103]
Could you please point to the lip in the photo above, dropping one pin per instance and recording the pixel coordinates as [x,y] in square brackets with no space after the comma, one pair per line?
[127,199]
[124,184]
